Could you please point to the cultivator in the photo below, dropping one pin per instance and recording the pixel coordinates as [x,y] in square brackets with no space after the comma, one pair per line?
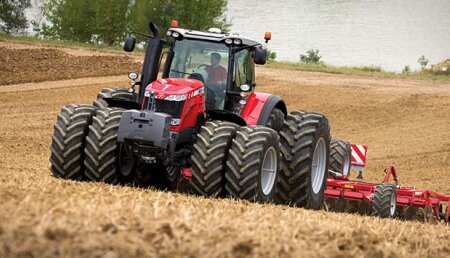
[387,199]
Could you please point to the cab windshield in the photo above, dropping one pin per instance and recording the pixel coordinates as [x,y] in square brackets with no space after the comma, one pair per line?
[204,61]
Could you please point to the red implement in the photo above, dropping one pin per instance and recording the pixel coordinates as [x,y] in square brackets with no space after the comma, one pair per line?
[340,188]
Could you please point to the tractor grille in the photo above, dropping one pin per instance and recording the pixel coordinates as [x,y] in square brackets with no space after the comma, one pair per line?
[173,108]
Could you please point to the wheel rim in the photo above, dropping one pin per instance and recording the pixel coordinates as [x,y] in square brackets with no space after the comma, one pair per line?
[392,205]
[269,170]
[318,166]
[126,160]
[346,168]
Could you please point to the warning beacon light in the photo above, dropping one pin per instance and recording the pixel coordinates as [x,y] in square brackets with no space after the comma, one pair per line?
[267,36]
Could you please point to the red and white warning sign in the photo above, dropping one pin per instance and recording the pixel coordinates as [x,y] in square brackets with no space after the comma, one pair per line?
[359,155]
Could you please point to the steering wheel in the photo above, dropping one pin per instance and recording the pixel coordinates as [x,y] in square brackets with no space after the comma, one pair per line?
[200,71]
[201,66]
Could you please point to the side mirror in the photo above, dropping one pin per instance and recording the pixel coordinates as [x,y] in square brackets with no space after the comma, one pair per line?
[260,55]
[129,44]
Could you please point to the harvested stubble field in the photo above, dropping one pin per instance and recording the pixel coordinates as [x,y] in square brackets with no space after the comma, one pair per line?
[402,121]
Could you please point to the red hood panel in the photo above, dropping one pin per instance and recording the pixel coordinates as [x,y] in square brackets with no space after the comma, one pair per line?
[174,86]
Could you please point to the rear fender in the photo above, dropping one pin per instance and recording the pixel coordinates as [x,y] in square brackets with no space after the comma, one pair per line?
[259,107]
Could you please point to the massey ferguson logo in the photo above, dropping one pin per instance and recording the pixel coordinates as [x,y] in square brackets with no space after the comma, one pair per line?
[160,95]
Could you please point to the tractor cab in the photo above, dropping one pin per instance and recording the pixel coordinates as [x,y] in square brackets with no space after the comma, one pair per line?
[223,62]
[219,65]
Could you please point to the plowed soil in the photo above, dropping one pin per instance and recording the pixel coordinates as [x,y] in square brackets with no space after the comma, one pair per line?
[44,64]
[402,121]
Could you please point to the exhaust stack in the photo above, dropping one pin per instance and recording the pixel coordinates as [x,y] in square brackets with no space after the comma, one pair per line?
[152,57]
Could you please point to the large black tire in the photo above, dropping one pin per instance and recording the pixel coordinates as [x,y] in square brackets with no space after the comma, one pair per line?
[68,141]
[209,156]
[301,135]
[116,93]
[340,157]
[384,201]
[101,147]
[276,120]
[253,164]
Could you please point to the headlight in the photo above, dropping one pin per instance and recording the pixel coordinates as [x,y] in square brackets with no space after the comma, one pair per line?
[228,41]
[176,97]
[132,75]
[245,87]
[169,33]
[175,34]
[237,41]
[175,121]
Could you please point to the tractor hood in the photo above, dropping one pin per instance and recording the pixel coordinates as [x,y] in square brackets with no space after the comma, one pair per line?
[185,88]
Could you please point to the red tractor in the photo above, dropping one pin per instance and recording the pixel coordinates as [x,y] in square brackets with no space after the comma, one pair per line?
[200,123]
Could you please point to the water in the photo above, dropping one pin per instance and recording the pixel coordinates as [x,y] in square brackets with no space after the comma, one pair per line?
[386,33]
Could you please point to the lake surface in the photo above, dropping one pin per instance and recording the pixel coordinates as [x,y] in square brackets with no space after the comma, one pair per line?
[390,34]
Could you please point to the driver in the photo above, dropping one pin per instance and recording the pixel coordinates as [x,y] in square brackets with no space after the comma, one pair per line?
[217,74]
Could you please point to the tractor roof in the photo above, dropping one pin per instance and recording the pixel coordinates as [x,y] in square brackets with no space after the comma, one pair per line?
[212,36]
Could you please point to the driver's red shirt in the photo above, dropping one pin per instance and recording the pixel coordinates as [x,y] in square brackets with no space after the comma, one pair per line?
[216,75]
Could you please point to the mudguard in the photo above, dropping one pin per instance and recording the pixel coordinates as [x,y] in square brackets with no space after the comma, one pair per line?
[226,116]
[259,107]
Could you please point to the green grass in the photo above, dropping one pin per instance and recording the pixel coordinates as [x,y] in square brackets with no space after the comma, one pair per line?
[362,71]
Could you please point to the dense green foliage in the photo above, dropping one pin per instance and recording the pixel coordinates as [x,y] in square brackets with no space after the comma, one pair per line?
[97,21]
[311,57]
[198,15]
[107,21]
[271,56]
[423,62]
[12,17]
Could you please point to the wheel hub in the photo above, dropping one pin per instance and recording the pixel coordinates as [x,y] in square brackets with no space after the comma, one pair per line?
[318,166]
[269,170]
[392,205]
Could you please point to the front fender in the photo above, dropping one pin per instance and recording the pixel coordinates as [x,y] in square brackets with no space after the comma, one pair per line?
[259,107]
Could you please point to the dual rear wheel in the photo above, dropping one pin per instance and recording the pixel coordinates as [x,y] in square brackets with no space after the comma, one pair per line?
[256,163]
[305,145]
[241,162]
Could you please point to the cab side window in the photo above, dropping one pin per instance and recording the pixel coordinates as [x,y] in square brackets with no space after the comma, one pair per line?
[244,69]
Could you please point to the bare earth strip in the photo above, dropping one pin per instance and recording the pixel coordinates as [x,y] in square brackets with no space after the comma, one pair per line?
[107,80]
[402,121]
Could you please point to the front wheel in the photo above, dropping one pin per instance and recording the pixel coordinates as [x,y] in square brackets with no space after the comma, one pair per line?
[68,141]
[253,164]
[102,150]
[209,156]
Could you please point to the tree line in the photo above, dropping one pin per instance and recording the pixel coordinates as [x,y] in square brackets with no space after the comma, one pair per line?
[109,21]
